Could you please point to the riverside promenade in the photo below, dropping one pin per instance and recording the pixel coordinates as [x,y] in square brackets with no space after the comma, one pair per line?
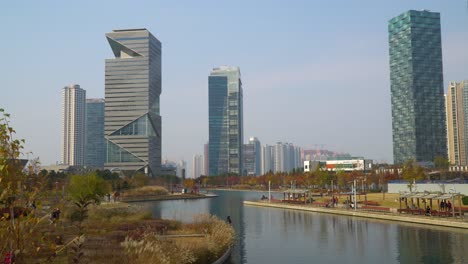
[390,216]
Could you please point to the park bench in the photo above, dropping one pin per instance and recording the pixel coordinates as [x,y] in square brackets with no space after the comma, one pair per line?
[375,208]
[321,204]
[463,209]
[412,211]
[371,203]
[293,201]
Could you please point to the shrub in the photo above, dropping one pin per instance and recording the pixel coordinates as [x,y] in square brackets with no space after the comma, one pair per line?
[147,190]
[465,200]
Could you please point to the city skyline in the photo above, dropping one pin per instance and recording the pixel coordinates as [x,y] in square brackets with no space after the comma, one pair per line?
[277,91]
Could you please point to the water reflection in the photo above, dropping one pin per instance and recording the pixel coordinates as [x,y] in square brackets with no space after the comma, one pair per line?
[271,235]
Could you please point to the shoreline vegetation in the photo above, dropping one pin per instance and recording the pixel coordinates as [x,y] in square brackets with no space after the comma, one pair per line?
[158,193]
[63,217]
[118,232]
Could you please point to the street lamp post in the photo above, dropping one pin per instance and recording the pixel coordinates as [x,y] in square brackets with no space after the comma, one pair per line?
[354,189]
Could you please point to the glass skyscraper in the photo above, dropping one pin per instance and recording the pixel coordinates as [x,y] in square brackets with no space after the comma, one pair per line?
[417,92]
[225,121]
[132,118]
[95,145]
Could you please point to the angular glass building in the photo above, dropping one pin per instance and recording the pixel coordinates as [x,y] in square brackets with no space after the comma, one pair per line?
[132,117]
[225,121]
[417,92]
[95,146]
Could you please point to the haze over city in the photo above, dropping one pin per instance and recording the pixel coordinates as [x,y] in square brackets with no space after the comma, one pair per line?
[313,72]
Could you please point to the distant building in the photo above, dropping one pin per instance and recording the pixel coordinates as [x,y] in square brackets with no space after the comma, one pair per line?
[348,165]
[311,165]
[267,159]
[225,121]
[253,157]
[181,168]
[282,157]
[249,160]
[95,141]
[206,153]
[417,91]
[457,123]
[132,109]
[73,125]
[198,169]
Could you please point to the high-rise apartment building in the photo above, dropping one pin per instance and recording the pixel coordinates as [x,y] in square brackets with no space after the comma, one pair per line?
[225,121]
[181,169]
[132,116]
[417,92]
[457,122]
[267,159]
[95,146]
[206,153]
[73,125]
[198,169]
[282,157]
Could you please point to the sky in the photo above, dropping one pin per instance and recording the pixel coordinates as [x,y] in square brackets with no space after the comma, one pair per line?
[313,72]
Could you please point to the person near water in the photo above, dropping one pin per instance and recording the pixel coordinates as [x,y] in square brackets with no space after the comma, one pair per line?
[229,219]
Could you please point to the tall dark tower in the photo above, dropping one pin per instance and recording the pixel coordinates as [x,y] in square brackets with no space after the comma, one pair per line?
[417,89]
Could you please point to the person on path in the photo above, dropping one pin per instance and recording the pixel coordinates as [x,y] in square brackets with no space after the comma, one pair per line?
[449,206]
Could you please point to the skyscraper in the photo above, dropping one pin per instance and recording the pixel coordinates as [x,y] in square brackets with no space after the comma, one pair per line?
[95,146]
[457,122]
[133,87]
[197,166]
[417,92]
[225,121]
[258,155]
[73,125]
[249,160]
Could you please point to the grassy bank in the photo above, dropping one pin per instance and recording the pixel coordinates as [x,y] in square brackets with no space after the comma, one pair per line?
[123,233]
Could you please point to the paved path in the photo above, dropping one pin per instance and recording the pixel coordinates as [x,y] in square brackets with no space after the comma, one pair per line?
[425,220]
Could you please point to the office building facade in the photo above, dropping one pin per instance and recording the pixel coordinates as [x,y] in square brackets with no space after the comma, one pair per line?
[132,109]
[73,125]
[225,121]
[457,122]
[417,92]
[95,146]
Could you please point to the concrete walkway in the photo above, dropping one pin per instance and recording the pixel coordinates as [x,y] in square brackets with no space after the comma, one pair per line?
[424,220]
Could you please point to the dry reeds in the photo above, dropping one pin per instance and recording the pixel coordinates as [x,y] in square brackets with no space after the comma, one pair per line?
[151,248]
[147,190]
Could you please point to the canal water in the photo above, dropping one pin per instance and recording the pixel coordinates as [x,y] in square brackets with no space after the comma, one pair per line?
[271,235]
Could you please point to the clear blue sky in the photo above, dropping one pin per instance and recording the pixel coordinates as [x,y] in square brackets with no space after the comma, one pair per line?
[314,72]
